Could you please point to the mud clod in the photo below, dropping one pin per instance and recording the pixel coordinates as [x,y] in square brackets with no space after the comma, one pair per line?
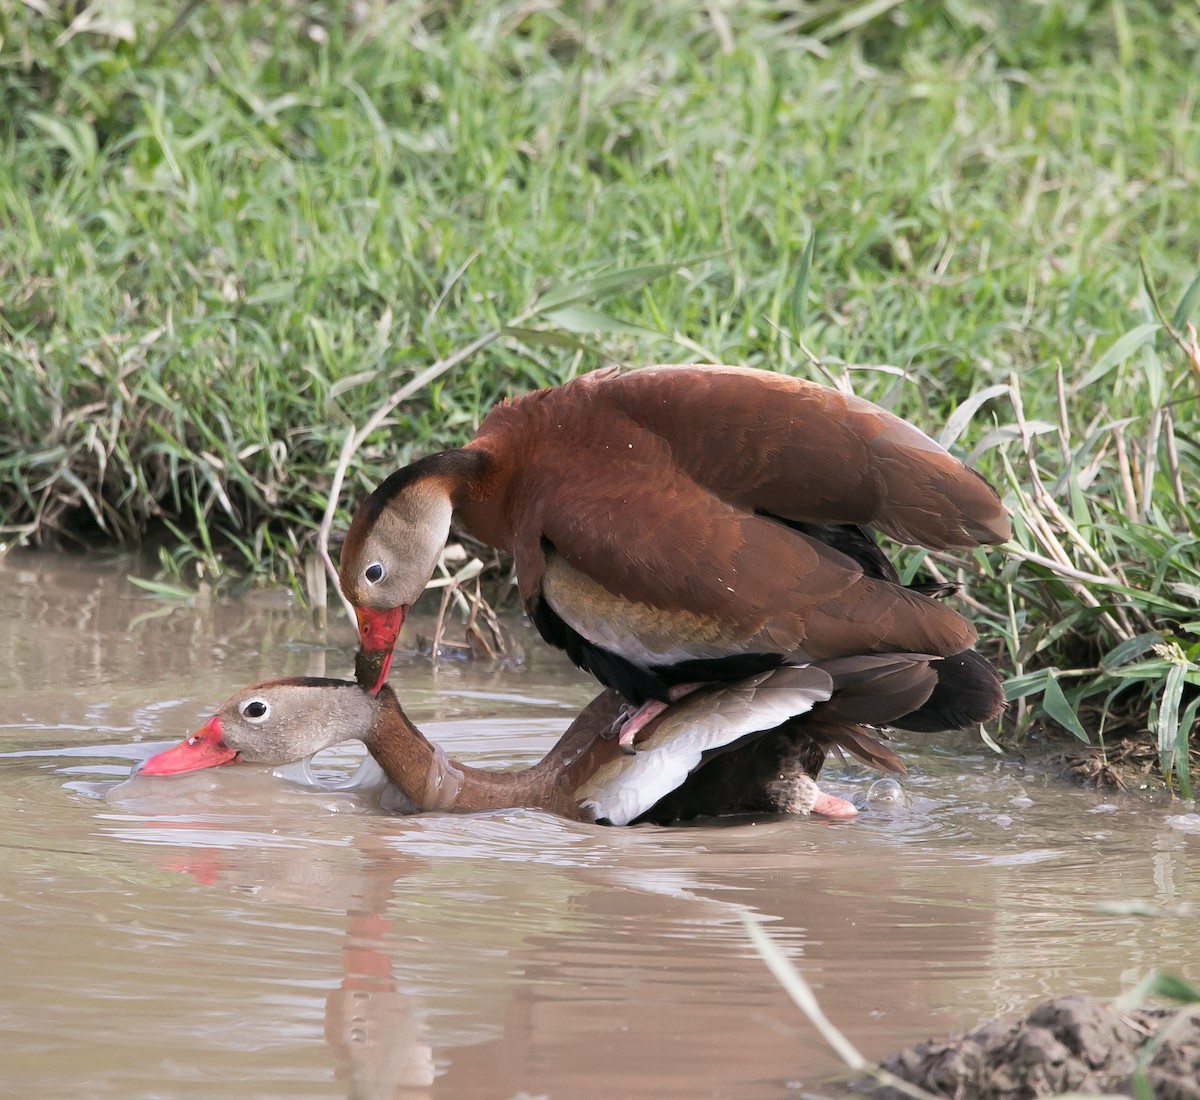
[1072,1043]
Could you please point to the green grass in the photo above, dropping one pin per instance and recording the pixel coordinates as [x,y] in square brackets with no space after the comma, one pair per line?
[224,243]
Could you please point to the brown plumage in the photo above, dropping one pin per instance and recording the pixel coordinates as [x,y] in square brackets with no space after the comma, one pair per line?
[675,525]
[769,732]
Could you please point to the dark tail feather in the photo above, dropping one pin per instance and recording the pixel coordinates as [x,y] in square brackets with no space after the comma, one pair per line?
[870,689]
[877,689]
[968,691]
[857,742]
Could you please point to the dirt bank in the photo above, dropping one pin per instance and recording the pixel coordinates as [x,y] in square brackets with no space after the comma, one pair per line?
[1068,1044]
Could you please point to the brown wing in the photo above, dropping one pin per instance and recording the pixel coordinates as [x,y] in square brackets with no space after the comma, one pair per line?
[806,452]
[638,558]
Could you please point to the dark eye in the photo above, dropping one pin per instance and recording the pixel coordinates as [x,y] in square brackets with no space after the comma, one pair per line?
[373,573]
[255,710]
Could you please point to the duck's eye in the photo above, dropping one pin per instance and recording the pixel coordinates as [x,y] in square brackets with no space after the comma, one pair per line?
[373,573]
[255,710]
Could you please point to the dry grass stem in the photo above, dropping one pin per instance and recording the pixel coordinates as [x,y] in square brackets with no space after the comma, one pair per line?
[1192,352]
[1181,501]
[1064,421]
[1067,572]
[1128,496]
[1150,462]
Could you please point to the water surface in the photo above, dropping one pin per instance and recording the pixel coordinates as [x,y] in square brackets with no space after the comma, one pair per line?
[228,934]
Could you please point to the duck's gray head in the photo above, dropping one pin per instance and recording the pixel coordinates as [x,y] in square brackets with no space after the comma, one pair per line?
[274,722]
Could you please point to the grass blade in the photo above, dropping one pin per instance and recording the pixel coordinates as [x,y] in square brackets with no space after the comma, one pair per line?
[854,18]
[799,303]
[1120,351]
[1031,683]
[1159,983]
[1130,650]
[1055,704]
[75,137]
[958,420]
[1183,770]
[586,321]
[1187,304]
[1167,723]
[599,287]
[169,592]
[800,991]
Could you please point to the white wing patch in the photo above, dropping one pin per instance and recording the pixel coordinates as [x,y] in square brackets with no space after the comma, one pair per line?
[626,787]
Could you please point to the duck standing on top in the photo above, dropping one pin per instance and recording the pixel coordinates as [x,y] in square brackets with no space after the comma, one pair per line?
[682,525]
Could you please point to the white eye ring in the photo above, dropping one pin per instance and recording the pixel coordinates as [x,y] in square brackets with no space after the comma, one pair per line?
[259,717]
[380,572]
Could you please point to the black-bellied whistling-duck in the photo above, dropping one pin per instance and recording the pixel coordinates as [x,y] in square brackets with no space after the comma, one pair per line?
[767,745]
[676,525]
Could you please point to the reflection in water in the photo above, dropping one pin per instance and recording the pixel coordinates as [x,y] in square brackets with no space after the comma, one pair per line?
[224,933]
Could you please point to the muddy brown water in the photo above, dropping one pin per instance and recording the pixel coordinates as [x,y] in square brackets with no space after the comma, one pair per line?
[230,934]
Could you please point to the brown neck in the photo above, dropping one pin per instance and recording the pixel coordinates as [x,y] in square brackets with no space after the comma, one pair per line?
[467,469]
[433,781]
[464,469]
[480,496]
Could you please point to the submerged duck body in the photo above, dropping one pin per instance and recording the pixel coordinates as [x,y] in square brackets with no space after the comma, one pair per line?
[756,746]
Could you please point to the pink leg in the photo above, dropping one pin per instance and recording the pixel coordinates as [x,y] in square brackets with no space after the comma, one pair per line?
[638,720]
[647,712]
